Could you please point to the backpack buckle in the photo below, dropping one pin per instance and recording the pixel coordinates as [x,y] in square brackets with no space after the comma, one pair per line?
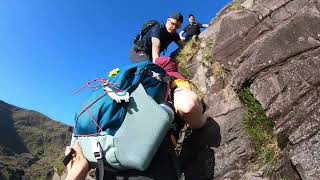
[97,150]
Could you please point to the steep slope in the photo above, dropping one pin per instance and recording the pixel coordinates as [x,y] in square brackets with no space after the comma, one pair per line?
[31,144]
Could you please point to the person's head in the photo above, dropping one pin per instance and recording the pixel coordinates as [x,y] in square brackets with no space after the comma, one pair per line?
[191,18]
[174,22]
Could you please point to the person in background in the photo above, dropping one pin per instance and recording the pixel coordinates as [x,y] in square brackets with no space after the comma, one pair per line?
[192,29]
[157,39]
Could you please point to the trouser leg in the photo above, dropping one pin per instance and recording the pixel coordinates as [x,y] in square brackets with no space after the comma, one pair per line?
[197,156]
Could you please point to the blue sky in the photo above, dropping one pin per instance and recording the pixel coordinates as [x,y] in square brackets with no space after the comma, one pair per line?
[50,48]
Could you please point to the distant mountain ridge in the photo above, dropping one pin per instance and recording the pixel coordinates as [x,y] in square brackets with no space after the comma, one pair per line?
[31,144]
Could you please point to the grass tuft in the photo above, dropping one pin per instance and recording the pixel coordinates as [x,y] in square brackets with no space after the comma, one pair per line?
[217,70]
[259,128]
[185,54]
[236,5]
[188,51]
[207,53]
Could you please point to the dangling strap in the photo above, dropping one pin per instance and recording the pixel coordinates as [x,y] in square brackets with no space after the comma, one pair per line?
[97,152]
[174,159]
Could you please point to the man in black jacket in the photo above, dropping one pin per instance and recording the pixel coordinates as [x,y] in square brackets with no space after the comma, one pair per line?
[192,29]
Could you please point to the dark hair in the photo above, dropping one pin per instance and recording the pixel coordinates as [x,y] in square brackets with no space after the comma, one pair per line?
[177,16]
[191,15]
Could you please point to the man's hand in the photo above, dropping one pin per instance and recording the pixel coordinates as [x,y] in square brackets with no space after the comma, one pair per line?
[78,167]
[181,35]
[205,25]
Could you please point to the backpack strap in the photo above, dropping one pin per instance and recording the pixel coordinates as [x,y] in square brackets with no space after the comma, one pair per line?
[97,151]
[173,157]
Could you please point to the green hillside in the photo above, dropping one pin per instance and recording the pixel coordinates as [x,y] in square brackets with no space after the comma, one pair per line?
[31,144]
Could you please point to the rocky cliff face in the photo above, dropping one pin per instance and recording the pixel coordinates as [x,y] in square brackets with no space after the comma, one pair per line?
[31,144]
[272,47]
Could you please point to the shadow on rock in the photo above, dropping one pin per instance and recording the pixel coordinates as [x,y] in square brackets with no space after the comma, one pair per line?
[197,154]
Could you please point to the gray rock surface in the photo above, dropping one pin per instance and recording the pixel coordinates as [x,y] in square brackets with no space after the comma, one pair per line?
[273,46]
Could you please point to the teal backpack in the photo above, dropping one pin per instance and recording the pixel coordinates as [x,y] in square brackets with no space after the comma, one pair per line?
[124,120]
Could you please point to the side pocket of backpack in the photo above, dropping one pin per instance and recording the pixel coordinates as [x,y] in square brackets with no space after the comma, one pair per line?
[142,131]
